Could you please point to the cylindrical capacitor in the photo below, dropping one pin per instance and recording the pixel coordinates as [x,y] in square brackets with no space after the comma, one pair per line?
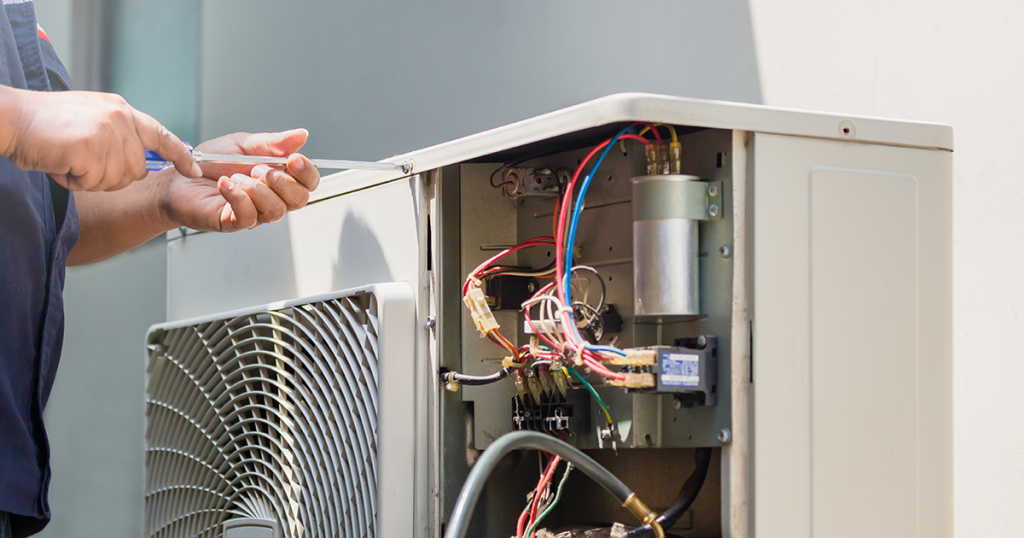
[666,279]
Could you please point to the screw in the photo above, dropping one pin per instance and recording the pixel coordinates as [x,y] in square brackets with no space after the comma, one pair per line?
[431,322]
[725,436]
[531,287]
[713,210]
[677,403]
[725,251]
[606,433]
[702,340]
[712,190]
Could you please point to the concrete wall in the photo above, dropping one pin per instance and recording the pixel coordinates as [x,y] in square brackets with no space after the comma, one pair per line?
[372,78]
[957,63]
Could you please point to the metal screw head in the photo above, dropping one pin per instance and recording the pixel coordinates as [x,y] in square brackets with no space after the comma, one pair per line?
[713,210]
[725,436]
[431,322]
[606,433]
[725,251]
[531,287]
[712,190]
[677,403]
[702,340]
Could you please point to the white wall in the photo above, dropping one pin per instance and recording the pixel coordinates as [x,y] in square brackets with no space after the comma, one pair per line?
[960,63]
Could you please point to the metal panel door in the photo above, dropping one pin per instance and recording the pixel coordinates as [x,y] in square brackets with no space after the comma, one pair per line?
[852,346]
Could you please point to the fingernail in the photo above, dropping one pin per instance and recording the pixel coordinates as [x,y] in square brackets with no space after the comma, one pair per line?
[299,164]
[228,182]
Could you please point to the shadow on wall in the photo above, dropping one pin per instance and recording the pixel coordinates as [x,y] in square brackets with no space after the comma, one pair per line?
[361,260]
[372,78]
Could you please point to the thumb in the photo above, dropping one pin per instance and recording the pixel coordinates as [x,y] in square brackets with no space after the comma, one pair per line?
[279,144]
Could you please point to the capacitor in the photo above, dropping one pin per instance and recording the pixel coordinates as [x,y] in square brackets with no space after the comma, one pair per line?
[666,280]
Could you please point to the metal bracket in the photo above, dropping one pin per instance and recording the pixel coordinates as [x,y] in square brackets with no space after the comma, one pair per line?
[702,200]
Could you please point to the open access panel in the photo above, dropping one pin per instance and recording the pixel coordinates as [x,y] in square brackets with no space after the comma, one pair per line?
[750,300]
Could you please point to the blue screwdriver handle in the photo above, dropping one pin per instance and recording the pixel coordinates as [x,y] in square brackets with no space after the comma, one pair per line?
[156,163]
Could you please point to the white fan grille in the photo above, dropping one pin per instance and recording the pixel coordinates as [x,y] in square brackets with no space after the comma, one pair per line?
[269,415]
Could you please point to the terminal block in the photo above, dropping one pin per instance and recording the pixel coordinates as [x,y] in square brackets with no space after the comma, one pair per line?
[553,414]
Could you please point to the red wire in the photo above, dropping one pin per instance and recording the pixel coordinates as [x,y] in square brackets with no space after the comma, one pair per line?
[545,479]
[536,241]
[653,130]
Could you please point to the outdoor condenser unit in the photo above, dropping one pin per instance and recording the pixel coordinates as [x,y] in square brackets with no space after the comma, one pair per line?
[778,284]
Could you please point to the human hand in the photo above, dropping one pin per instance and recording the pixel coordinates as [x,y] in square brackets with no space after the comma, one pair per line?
[231,197]
[85,140]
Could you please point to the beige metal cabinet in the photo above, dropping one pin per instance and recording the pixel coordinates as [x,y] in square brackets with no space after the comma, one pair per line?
[827,281]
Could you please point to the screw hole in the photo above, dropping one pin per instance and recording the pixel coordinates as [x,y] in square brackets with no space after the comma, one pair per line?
[846,130]
[610,249]
[610,178]
[549,254]
[609,279]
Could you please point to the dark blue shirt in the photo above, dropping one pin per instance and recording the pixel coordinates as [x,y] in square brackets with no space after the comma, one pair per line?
[38,228]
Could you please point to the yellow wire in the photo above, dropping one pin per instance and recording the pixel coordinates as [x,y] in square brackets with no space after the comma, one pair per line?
[671,130]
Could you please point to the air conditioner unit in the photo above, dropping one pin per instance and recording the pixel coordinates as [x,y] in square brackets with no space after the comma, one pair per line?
[780,279]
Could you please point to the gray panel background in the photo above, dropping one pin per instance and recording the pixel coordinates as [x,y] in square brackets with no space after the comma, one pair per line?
[368,79]
[372,78]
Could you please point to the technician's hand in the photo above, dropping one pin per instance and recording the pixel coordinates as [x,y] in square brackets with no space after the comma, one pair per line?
[233,197]
[84,140]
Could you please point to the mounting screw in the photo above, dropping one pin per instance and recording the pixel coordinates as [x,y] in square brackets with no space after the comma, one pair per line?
[677,403]
[725,251]
[712,190]
[725,436]
[431,322]
[713,210]
[702,340]
[847,130]
[531,287]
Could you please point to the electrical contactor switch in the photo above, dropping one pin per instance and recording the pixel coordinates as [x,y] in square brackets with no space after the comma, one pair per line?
[689,371]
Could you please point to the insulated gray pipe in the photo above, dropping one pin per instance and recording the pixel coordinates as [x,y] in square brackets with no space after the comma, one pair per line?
[458,524]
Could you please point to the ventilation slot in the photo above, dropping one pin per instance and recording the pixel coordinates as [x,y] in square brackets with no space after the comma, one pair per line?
[271,415]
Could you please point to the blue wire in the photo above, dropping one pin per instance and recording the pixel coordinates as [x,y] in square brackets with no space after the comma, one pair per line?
[577,211]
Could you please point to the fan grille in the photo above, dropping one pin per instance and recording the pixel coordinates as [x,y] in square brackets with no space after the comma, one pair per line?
[269,415]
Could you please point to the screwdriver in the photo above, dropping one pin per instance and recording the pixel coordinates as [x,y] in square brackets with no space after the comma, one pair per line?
[155,163]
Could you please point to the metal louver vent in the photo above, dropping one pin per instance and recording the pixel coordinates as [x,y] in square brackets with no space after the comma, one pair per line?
[275,414]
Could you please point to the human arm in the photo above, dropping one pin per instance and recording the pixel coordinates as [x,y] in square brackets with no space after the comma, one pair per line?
[226,198]
[84,140]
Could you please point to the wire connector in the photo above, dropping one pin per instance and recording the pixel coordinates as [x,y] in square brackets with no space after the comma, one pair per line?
[635,357]
[634,381]
[651,152]
[483,318]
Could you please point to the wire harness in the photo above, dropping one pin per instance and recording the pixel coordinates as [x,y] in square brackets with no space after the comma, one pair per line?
[458,523]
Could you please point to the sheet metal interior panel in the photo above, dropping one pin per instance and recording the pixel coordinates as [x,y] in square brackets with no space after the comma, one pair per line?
[852,339]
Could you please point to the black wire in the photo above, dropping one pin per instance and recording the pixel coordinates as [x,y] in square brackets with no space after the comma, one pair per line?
[476,380]
[539,363]
[510,165]
[589,269]
[683,501]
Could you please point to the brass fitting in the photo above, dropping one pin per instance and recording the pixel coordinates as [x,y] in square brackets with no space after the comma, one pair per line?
[643,513]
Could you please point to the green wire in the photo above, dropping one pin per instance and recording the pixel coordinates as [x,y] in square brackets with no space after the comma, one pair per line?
[593,393]
[558,495]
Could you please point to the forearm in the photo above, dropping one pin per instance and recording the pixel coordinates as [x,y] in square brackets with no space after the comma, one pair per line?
[115,222]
